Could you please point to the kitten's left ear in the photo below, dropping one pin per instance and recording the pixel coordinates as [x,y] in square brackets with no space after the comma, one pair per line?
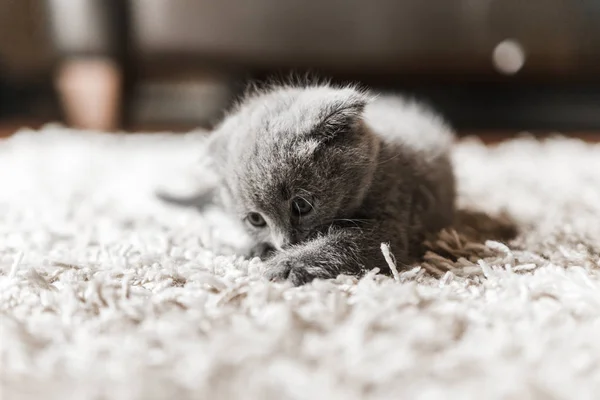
[342,116]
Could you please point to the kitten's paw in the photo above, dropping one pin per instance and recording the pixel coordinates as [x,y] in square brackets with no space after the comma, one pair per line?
[294,270]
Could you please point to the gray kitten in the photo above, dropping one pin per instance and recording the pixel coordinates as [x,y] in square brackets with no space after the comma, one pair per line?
[321,176]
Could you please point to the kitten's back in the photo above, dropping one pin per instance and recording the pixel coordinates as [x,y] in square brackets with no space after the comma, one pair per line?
[410,124]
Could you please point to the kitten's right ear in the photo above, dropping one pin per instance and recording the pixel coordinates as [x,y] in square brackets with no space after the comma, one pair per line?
[342,117]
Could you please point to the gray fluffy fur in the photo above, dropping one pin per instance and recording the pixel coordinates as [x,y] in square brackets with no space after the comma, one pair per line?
[375,169]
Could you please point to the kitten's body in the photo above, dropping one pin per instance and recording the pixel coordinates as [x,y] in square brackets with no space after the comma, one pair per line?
[372,169]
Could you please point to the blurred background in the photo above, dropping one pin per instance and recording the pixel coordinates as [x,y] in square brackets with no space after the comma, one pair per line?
[492,67]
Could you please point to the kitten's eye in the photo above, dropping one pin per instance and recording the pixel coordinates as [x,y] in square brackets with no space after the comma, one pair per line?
[256,219]
[300,206]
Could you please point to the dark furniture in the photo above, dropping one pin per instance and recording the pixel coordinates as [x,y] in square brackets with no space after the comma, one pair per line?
[487,64]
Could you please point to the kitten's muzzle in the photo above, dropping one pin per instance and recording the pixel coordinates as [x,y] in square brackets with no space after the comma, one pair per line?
[262,251]
[285,240]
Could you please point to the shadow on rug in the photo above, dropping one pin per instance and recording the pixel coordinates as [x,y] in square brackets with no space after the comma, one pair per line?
[466,242]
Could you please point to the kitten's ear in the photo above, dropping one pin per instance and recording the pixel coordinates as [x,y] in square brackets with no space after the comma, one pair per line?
[341,118]
[215,150]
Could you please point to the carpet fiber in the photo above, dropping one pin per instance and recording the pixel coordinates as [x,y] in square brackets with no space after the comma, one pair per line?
[105,293]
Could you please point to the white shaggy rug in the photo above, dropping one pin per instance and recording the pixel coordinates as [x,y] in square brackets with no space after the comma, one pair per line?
[105,293]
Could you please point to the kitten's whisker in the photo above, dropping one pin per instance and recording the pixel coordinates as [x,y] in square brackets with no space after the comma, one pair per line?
[309,203]
[354,221]
[389,159]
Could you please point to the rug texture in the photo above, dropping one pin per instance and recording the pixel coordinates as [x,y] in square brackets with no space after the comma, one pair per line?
[105,293]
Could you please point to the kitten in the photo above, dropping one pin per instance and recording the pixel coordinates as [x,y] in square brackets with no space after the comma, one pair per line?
[321,176]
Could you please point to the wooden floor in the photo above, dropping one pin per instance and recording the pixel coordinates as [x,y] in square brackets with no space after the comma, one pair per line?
[7,128]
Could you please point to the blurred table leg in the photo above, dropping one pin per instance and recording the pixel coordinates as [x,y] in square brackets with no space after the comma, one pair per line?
[90,90]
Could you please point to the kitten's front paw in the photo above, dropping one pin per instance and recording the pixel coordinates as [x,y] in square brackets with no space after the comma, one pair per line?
[295,270]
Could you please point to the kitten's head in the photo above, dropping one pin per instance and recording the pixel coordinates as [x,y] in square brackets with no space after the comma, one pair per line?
[296,159]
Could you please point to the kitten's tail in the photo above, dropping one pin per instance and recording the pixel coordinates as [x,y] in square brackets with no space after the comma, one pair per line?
[200,200]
